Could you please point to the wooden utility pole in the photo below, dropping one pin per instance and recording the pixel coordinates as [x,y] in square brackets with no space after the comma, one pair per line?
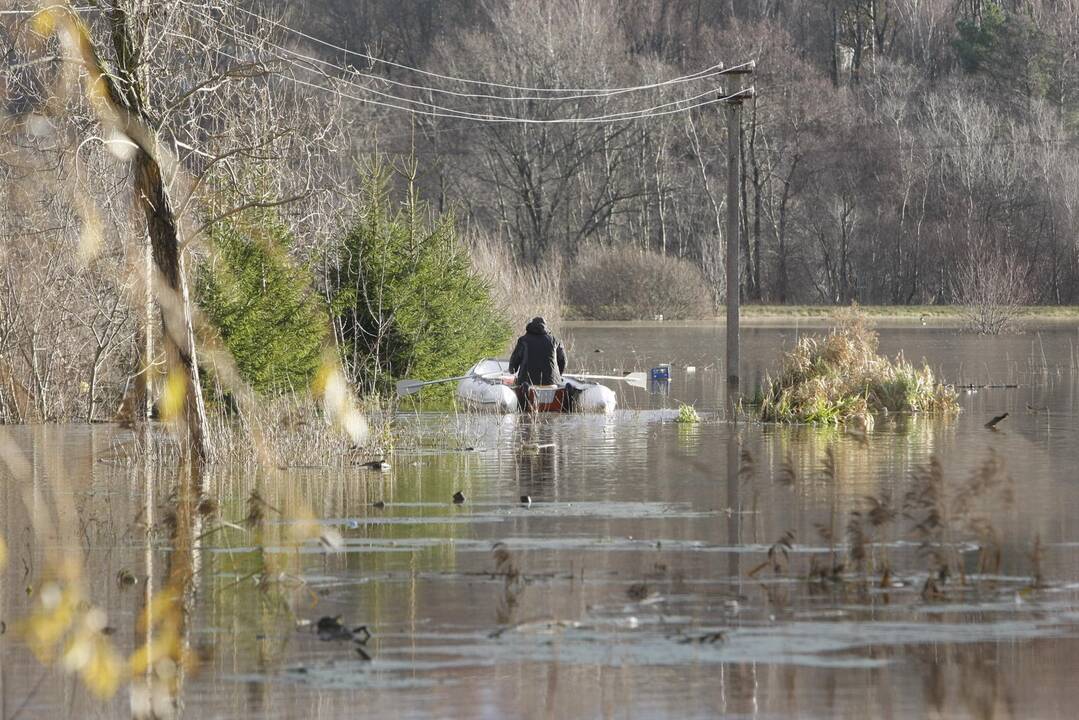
[734,144]
[734,140]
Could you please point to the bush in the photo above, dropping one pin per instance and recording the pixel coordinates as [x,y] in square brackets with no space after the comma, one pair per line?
[406,299]
[991,288]
[260,303]
[610,283]
[841,378]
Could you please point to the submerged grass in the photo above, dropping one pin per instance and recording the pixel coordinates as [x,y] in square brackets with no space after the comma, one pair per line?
[840,378]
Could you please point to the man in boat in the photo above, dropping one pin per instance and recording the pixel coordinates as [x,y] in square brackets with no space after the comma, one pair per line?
[539,358]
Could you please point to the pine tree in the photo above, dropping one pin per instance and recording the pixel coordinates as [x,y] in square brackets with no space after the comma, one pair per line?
[261,304]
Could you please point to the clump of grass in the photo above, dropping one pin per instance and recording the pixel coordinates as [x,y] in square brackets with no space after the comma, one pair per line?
[841,378]
[687,414]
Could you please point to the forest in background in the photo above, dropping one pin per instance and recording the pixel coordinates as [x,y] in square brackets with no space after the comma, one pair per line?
[898,152]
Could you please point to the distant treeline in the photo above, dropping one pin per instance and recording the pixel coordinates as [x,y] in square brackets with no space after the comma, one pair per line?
[897,152]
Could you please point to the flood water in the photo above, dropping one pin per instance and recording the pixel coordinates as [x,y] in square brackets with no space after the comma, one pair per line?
[637,581]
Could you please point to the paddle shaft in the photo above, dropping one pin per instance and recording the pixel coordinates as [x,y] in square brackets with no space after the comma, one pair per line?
[637,378]
[408,387]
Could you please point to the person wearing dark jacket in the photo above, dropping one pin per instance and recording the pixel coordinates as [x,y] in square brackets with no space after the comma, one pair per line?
[539,357]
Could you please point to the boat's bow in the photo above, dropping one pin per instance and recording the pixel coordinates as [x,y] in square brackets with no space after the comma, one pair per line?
[485,387]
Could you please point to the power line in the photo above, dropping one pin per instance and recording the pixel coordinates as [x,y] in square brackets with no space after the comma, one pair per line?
[434,110]
[493,117]
[450,113]
[714,69]
[707,73]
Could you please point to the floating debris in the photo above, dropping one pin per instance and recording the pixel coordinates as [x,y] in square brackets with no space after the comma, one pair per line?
[378,504]
[705,639]
[332,540]
[637,591]
[331,628]
[458,497]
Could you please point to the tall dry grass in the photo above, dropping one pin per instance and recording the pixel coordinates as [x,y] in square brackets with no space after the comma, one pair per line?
[840,378]
[519,292]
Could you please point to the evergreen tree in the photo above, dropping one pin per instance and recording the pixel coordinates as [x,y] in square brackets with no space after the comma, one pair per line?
[261,304]
[406,298]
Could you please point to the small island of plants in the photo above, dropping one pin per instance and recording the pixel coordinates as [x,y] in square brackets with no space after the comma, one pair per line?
[841,378]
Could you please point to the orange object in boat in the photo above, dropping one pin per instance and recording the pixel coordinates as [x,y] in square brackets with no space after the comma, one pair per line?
[544,398]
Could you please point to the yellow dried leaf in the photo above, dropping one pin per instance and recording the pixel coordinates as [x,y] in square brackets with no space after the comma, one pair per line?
[162,608]
[51,620]
[3,554]
[102,673]
[174,395]
[90,235]
[166,644]
[44,23]
[337,401]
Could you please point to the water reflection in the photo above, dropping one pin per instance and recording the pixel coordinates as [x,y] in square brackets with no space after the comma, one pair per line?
[536,459]
[626,587]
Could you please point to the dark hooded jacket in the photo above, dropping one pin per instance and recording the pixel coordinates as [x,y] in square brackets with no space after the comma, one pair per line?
[539,357]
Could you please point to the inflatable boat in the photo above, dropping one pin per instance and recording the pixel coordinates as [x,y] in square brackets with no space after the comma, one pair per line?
[489,385]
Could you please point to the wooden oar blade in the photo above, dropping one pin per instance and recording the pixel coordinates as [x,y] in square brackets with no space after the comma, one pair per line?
[637,379]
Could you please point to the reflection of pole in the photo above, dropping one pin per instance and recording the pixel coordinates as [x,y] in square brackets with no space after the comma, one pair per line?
[148,516]
[734,521]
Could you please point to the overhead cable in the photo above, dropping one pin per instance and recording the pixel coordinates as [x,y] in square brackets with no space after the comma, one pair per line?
[717,69]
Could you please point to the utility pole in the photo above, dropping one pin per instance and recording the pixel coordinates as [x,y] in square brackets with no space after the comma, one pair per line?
[734,142]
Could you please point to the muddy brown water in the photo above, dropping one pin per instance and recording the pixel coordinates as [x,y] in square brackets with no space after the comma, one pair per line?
[627,587]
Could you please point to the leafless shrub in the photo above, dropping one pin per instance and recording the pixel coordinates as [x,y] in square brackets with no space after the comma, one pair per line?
[992,287]
[609,283]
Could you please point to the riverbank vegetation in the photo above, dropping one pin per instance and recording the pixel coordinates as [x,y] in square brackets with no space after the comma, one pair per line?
[608,283]
[405,298]
[840,378]
[879,165]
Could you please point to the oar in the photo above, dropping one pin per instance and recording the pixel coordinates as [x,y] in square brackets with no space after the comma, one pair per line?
[408,387]
[636,379]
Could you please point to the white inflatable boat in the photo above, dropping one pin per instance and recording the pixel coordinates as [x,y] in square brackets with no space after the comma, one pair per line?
[490,386]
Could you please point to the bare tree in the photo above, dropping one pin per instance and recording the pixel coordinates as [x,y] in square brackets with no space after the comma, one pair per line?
[992,287]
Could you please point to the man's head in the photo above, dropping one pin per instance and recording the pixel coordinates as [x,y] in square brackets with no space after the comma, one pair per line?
[536,325]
